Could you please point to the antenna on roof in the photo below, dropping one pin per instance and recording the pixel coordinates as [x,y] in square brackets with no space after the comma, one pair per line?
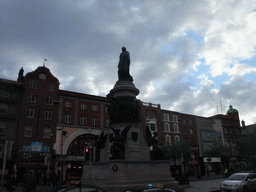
[44,61]
[221,107]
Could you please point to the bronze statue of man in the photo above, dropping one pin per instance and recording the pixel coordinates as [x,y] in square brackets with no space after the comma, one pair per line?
[124,66]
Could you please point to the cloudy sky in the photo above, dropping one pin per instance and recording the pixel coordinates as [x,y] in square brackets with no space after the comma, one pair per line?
[186,55]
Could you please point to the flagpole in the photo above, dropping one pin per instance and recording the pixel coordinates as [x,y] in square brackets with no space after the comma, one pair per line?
[44,62]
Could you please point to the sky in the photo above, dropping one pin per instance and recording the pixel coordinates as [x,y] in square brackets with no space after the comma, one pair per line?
[191,56]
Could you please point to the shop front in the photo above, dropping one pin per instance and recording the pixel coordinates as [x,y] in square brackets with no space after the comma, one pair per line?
[212,165]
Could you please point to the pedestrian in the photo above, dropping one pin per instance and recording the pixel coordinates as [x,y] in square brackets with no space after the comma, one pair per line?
[10,183]
[54,180]
[29,184]
[226,172]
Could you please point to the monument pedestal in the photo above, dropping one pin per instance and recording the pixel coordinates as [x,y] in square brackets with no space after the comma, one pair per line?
[118,175]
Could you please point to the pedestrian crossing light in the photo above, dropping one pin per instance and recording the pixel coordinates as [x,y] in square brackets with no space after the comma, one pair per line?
[86,154]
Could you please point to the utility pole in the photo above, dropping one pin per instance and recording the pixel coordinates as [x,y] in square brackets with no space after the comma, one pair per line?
[4,164]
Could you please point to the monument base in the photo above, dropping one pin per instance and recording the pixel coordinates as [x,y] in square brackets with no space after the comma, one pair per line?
[118,175]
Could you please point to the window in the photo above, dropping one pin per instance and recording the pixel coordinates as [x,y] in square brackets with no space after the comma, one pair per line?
[67,118]
[184,121]
[167,127]
[4,93]
[95,108]
[32,84]
[175,118]
[167,140]
[191,131]
[190,122]
[147,115]
[30,113]
[47,132]
[3,108]
[177,139]
[175,128]
[185,130]
[83,106]
[49,100]
[50,87]
[31,98]
[48,114]
[193,141]
[2,127]
[152,127]
[94,121]
[83,120]
[28,130]
[107,123]
[154,116]
[166,117]
[68,104]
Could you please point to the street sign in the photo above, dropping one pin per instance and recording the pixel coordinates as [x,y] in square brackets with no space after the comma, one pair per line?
[194,161]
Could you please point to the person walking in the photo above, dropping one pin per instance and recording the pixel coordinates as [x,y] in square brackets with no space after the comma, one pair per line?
[29,184]
[54,180]
[10,183]
[226,172]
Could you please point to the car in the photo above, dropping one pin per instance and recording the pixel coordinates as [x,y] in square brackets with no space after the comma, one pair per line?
[80,188]
[150,188]
[239,182]
[74,180]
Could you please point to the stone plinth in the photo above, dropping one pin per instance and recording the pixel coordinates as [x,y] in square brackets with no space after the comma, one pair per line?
[118,175]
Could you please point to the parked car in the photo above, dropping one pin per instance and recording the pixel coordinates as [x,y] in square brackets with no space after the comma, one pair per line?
[80,188]
[239,182]
[74,180]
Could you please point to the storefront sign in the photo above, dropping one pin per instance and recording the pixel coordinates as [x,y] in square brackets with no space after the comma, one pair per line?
[36,146]
[212,159]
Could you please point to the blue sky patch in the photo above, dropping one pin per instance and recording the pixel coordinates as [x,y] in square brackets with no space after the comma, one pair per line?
[194,36]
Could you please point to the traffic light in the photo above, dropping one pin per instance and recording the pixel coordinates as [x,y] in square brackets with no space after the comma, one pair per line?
[86,155]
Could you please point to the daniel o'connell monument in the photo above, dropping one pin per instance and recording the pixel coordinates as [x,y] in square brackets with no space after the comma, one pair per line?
[124,154]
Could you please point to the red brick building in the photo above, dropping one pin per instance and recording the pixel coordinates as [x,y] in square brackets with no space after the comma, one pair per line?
[45,120]
[36,130]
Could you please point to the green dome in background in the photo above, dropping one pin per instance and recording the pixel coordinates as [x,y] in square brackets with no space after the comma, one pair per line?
[232,110]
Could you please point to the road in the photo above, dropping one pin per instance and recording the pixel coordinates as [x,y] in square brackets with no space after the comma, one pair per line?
[204,186]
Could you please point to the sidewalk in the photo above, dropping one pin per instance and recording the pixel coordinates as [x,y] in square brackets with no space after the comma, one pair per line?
[39,188]
[211,176]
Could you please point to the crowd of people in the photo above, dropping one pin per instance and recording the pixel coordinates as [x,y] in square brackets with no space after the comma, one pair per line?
[29,182]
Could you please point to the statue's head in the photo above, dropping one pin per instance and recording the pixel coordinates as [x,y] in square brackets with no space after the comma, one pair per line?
[123,49]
